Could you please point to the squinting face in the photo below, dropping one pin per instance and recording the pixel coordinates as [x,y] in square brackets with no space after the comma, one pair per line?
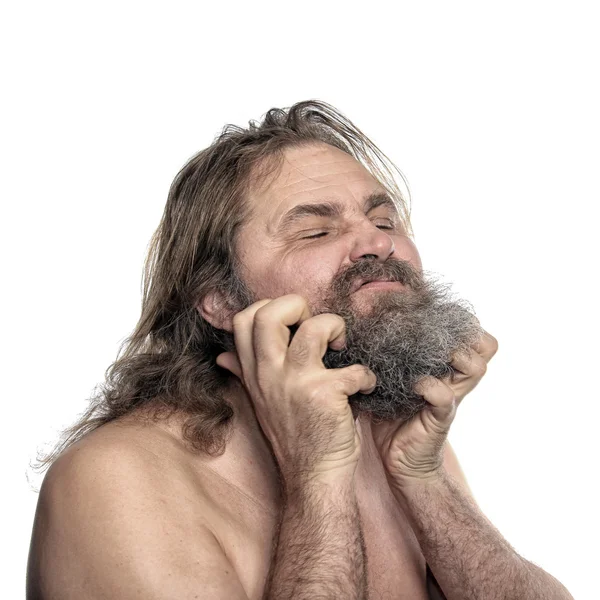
[282,252]
[321,229]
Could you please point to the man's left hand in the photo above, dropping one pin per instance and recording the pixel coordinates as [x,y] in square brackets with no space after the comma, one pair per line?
[413,450]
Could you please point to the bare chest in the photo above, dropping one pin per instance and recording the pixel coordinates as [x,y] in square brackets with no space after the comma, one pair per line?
[396,568]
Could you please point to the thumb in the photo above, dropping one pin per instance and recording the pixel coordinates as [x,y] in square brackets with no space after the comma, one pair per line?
[230,361]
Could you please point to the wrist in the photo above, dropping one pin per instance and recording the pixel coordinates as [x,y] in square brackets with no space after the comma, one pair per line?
[310,485]
[406,485]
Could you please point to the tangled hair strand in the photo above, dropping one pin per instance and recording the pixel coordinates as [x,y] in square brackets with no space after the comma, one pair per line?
[167,364]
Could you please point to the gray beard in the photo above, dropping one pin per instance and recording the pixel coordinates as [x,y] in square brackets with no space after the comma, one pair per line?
[405,335]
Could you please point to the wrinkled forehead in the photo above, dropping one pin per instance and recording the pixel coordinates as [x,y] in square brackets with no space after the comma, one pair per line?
[311,173]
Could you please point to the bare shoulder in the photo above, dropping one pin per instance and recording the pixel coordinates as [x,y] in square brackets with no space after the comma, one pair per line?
[118,518]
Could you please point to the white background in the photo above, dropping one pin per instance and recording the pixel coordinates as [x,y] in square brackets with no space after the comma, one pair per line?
[490,109]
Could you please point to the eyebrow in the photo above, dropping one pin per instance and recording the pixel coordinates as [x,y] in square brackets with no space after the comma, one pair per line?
[331,209]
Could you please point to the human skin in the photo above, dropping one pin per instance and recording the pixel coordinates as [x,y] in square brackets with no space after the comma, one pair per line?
[303,409]
[129,511]
[304,260]
[275,264]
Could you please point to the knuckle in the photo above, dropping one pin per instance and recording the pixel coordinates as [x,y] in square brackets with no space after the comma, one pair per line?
[361,370]
[340,385]
[358,374]
[343,383]
[337,318]
[309,327]
[317,327]
[315,394]
[297,299]
[332,321]
[299,351]
[424,384]
[492,342]
[262,315]
[317,322]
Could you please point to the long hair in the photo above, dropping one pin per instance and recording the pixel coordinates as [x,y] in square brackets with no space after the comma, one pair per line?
[168,363]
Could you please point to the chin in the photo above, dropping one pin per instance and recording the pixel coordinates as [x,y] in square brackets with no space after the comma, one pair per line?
[366,301]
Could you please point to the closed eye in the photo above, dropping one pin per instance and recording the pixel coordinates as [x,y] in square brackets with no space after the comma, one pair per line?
[324,233]
[316,235]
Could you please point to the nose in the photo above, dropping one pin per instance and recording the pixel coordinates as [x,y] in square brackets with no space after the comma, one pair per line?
[372,242]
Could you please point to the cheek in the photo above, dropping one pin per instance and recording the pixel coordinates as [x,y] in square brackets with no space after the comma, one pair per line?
[306,274]
[407,250]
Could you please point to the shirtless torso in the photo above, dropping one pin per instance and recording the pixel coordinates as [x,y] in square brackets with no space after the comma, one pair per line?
[235,496]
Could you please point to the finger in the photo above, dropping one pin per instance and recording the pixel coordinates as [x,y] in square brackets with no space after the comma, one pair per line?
[313,337]
[243,323]
[271,333]
[471,364]
[230,361]
[439,396]
[487,346]
[353,379]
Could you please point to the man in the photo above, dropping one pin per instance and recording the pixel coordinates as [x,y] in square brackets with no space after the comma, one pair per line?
[277,425]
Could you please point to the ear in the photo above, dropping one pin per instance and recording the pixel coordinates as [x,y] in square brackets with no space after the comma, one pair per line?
[217,310]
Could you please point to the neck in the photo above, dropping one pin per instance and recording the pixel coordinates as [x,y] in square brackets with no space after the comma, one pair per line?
[248,462]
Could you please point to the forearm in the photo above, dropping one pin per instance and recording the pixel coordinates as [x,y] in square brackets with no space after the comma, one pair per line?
[319,550]
[467,554]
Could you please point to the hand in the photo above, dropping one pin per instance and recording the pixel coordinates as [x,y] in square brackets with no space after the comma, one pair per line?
[301,406]
[414,450]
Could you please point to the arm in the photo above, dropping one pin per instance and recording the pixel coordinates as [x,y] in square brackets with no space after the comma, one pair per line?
[320,548]
[112,521]
[106,527]
[467,554]
[303,410]
[453,468]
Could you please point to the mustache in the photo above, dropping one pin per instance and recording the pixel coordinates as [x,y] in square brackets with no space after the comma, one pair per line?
[338,295]
[405,337]
[398,270]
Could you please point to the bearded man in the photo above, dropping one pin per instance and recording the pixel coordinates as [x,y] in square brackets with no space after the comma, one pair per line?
[276,427]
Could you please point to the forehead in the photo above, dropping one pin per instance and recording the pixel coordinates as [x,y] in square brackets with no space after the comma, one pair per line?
[311,174]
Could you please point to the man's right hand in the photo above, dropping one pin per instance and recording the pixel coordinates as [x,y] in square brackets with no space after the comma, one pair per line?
[301,406]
